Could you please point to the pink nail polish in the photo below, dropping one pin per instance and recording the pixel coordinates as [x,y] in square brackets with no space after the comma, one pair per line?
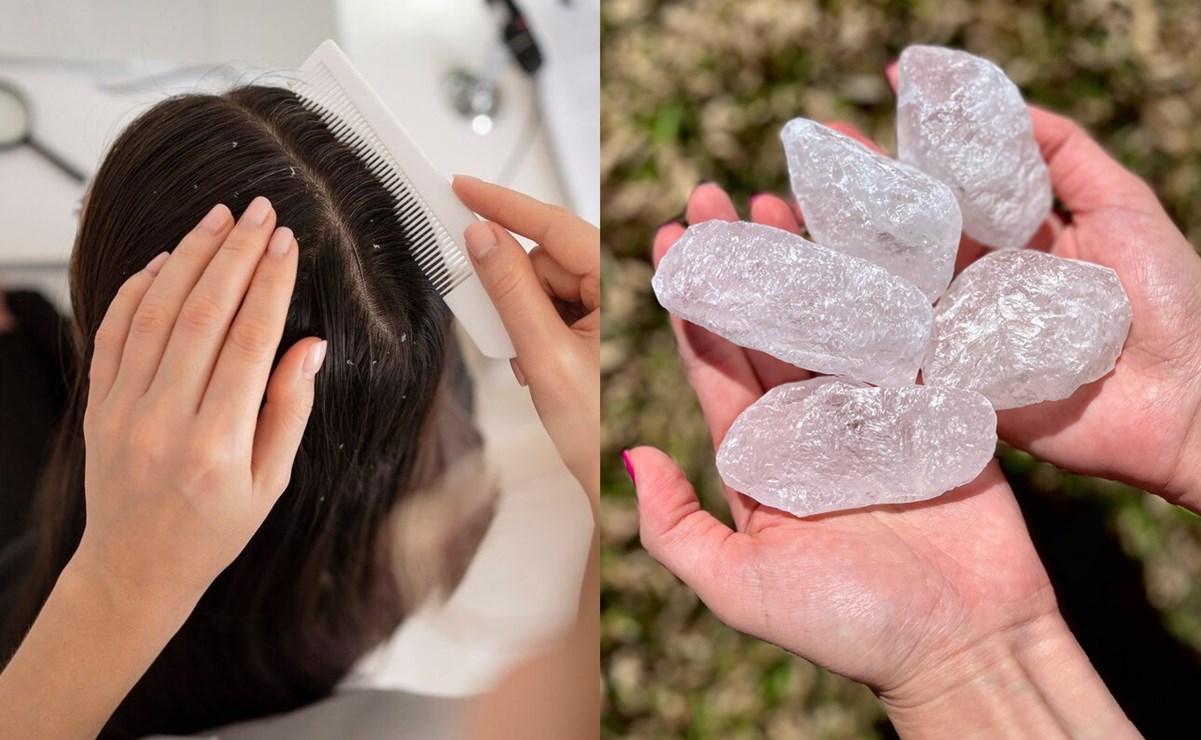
[625,457]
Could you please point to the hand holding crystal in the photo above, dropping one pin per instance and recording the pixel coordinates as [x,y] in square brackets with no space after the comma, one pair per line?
[1139,423]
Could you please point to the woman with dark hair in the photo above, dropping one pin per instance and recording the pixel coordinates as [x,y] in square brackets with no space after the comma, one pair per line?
[212,558]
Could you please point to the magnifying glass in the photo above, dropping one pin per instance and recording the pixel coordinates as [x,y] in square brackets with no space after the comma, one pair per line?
[16,129]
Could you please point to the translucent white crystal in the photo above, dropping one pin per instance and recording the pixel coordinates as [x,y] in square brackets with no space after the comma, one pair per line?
[829,444]
[872,207]
[960,119]
[771,290]
[1023,327]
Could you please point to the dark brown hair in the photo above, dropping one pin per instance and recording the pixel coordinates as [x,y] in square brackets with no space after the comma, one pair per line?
[317,586]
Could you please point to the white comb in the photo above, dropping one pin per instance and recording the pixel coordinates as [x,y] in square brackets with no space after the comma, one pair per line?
[426,207]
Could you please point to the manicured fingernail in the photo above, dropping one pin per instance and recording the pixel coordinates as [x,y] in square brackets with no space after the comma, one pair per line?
[256,213]
[517,371]
[625,457]
[281,242]
[156,264]
[216,219]
[480,240]
[313,360]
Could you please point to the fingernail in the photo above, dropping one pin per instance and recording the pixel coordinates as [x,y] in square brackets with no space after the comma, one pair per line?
[156,264]
[751,200]
[517,371]
[465,177]
[481,242]
[665,224]
[313,360]
[888,68]
[281,242]
[701,184]
[216,219]
[625,457]
[256,213]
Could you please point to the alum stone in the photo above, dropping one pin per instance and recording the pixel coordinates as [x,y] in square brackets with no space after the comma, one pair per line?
[961,120]
[1023,326]
[771,290]
[872,207]
[828,444]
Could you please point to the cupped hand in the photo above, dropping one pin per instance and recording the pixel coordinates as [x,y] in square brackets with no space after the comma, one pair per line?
[549,301]
[1139,423]
[184,460]
[888,596]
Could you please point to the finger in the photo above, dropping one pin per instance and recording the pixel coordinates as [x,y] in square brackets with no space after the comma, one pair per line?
[284,416]
[233,394]
[558,282]
[718,370]
[572,241]
[206,315]
[772,211]
[770,371]
[847,129]
[667,235]
[675,530]
[109,341]
[892,73]
[155,316]
[527,312]
[1083,174]
[708,202]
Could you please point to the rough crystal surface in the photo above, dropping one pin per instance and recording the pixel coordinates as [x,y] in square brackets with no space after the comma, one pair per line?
[1023,326]
[961,120]
[872,207]
[829,444]
[771,290]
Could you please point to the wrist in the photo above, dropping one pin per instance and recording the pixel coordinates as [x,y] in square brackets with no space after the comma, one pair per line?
[1029,681]
[141,603]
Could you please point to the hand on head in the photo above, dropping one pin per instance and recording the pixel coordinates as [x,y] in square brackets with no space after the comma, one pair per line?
[183,465]
[549,301]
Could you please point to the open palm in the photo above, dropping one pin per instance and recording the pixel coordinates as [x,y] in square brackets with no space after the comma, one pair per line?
[879,594]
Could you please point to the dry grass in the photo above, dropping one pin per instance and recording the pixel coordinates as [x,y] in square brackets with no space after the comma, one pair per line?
[698,91]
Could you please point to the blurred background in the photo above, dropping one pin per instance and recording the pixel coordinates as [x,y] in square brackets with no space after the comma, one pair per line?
[696,91]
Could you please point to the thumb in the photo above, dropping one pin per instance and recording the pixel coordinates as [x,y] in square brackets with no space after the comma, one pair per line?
[284,416]
[508,276]
[675,530]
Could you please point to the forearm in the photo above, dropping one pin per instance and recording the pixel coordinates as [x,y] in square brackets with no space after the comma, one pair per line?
[83,654]
[555,694]
[1033,682]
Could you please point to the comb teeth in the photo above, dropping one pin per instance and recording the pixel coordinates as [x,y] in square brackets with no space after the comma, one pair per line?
[440,258]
